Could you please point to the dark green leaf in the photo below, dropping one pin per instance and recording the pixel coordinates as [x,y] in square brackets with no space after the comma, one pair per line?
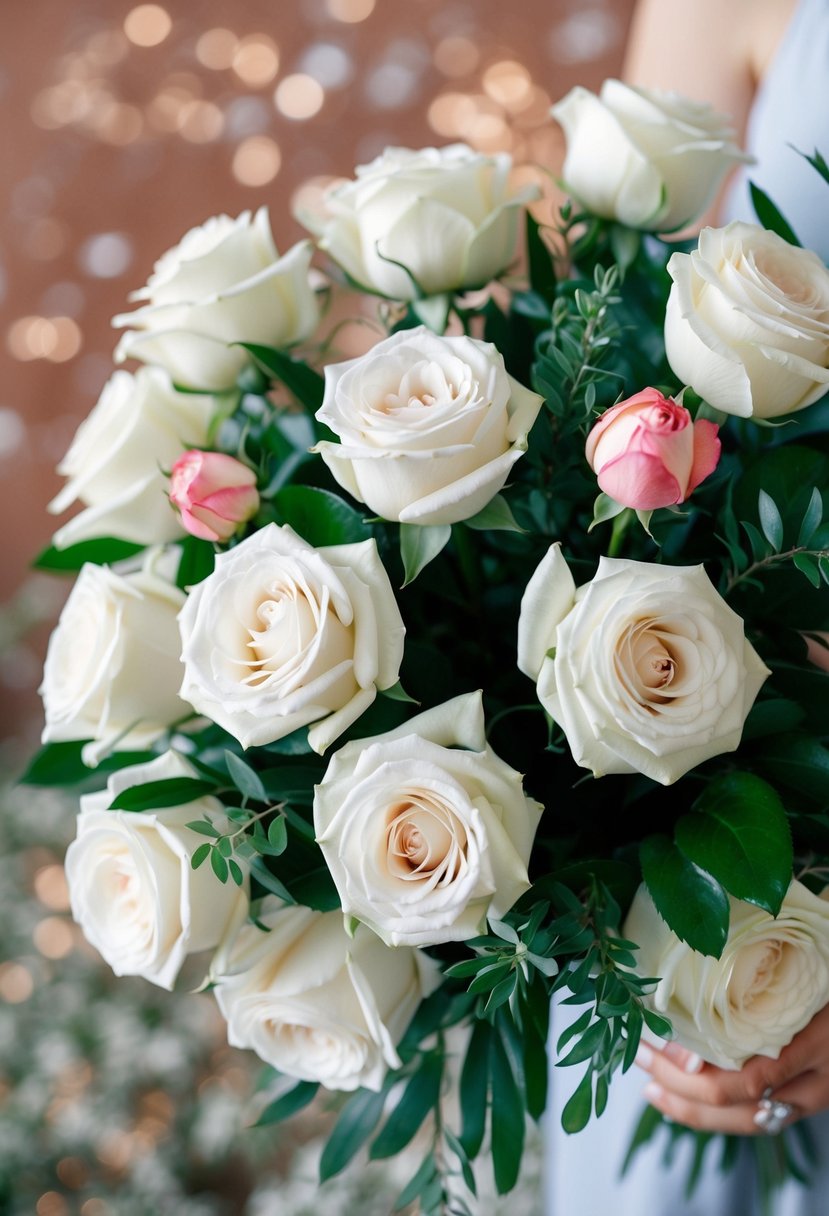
[473,1088]
[587,1044]
[196,562]
[772,717]
[738,832]
[203,828]
[459,1151]
[219,865]
[236,872]
[817,162]
[657,1025]
[103,551]
[289,1104]
[649,1123]
[356,1122]
[800,762]
[423,1176]
[689,899]
[58,764]
[321,517]
[171,791]
[540,263]
[419,545]
[770,520]
[807,565]
[200,855]
[507,1117]
[246,780]
[419,1097]
[811,518]
[291,783]
[295,744]
[577,1109]
[269,881]
[769,216]
[535,1070]
[307,385]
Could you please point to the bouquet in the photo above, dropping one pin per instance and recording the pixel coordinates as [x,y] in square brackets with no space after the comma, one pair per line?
[404,691]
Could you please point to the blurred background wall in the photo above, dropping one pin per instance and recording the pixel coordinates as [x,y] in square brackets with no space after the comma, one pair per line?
[123,126]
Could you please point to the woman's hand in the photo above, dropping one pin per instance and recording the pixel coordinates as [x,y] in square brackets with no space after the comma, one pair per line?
[714,1099]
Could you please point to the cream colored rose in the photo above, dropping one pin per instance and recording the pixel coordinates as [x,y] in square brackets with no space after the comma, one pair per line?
[132,888]
[747,322]
[112,671]
[423,222]
[425,830]
[429,427]
[646,668]
[282,635]
[223,283]
[646,158]
[139,427]
[771,979]
[316,1004]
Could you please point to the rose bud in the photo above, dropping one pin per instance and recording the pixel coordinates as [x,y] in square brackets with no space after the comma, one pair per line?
[647,452]
[215,494]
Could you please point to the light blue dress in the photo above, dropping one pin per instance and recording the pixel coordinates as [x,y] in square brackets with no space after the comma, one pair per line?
[791,110]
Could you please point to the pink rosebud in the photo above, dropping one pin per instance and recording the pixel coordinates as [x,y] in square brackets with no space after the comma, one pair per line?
[214,493]
[647,452]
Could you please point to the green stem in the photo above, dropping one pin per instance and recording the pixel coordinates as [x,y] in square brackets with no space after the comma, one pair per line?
[469,562]
[736,579]
[620,526]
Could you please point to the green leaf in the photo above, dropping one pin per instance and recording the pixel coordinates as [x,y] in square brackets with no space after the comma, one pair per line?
[535,1070]
[495,516]
[246,780]
[811,519]
[196,562]
[807,565]
[294,744]
[604,509]
[423,1176]
[102,551]
[171,791]
[235,872]
[817,162]
[650,1121]
[769,216]
[540,263]
[307,385]
[577,1109]
[689,899]
[398,693]
[277,836]
[289,1104]
[270,882]
[625,244]
[419,545]
[473,1088]
[203,828]
[433,311]
[587,1045]
[219,865]
[419,1097]
[507,1118]
[800,762]
[57,764]
[200,855]
[356,1122]
[738,832]
[321,517]
[770,520]
[772,717]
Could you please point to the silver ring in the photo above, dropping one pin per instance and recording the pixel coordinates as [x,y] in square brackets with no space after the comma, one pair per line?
[771,1114]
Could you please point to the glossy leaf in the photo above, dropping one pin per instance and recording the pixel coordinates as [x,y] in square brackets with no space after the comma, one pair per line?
[288,1104]
[356,1122]
[474,1084]
[321,517]
[579,1106]
[246,780]
[769,215]
[419,1097]
[152,795]
[688,898]
[507,1118]
[307,385]
[102,551]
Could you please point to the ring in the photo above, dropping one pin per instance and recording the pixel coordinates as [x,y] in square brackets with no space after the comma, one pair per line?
[771,1114]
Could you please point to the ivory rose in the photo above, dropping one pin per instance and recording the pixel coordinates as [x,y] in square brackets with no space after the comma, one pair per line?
[316,1004]
[646,668]
[646,158]
[772,977]
[647,451]
[112,671]
[425,830]
[214,493]
[423,222]
[222,284]
[429,427]
[747,322]
[116,462]
[132,888]
[281,635]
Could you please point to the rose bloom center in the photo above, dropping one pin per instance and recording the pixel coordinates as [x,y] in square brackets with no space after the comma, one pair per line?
[647,664]
[424,839]
[759,972]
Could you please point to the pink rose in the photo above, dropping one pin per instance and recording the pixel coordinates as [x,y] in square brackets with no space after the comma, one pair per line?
[214,493]
[647,452]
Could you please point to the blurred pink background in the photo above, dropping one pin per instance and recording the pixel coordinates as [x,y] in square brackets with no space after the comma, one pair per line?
[126,125]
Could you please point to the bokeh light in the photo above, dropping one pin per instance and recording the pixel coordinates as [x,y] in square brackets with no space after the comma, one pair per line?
[350,11]
[256,60]
[216,47]
[147,25]
[256,161]
[299,96]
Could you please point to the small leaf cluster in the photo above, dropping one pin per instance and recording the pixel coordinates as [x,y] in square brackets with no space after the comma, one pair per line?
[765,547]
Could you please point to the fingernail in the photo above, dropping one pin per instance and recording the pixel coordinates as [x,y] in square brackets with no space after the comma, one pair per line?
[653,1092]
[693,1063]
[644,1056]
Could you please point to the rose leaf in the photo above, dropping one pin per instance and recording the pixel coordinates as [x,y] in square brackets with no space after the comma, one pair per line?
[688,898]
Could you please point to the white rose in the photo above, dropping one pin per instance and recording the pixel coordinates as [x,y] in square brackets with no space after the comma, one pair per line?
[423,222]
[139,427]
[772,978]
[648,159]
[429,426]
[425,830]
[132,888]
[646,668]
[747,322]
[316,1004]
[112,671]
[223,283]
[282,635]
